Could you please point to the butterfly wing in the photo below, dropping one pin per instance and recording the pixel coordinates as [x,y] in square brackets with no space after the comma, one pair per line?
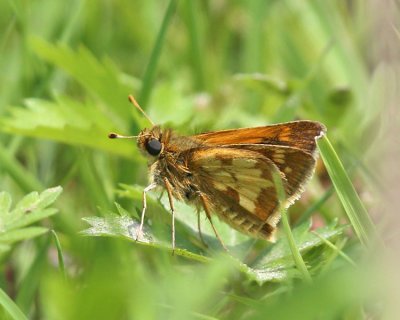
[296,134]
[239,185]
[234,168]
[296,165]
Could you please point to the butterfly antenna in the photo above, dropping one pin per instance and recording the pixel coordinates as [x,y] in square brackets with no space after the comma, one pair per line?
[113,135]
[134,102]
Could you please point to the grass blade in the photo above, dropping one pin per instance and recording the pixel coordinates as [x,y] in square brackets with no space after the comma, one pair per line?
[22,177]
[31,281]
[286,227]
[59,252]
[336,249]
[315,206]
[11,307]
[355,210]
[195,51]
[148,77]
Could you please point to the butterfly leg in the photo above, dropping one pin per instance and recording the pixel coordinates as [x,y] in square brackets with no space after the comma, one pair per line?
[199,229]
[207,211]
[171,204]
[148,188]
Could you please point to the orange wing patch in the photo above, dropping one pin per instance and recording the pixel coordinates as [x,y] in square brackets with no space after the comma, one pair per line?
[296,134]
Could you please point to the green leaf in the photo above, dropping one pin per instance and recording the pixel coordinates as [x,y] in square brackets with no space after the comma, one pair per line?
[32,208]
[22,234]
[5,203]
[32,203]
[25,205]
[186,220]
[32,217]
[47,197]
[276,263]
[101,78]
[123,226]
[67,121]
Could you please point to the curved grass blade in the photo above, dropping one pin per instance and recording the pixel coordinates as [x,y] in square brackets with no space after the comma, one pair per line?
[336,249]
[286,227]
[148,77]
[59,252]
[10,307]
[355,210]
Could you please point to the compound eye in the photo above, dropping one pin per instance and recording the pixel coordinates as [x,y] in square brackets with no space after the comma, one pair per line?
[153,147]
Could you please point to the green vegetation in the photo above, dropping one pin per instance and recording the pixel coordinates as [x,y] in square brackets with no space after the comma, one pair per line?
[68,246]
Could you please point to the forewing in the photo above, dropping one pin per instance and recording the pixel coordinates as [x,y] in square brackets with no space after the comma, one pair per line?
[297,134]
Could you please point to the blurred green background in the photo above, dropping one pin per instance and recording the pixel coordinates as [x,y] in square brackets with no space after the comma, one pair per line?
[66,69]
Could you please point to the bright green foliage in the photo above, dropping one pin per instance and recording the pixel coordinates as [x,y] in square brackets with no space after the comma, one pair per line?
[101,78]
[274,264]
[66,69]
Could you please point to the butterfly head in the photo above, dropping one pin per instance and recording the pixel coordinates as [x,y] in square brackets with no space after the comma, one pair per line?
[149,142]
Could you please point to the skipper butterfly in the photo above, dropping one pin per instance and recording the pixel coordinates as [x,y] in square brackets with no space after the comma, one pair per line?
[229,173]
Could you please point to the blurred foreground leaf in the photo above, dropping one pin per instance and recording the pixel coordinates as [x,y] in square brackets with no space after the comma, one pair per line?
[101,78]
[10,307]
[66,121]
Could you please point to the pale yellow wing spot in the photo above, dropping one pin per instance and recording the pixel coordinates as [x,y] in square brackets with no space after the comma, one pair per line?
[220,186]
[288,170]
[247,203]
[278,160]
[278,155]
[244,163]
